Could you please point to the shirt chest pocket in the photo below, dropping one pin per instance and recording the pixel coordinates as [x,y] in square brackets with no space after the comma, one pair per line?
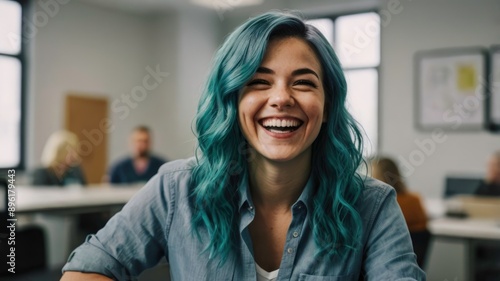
[306,277]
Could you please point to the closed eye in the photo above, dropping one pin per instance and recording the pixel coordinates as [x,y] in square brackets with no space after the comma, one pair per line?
[305,83]
[258,82]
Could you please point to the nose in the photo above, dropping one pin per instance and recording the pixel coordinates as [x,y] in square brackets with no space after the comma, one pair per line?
[281,97]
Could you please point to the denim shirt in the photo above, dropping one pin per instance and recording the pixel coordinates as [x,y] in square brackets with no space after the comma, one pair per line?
[156,223]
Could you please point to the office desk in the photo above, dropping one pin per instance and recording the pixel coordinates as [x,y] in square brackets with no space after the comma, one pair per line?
[451,255]
[56,210]
[488,229]
[77,200]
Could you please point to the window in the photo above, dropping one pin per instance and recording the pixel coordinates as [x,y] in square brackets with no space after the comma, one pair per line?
[356,40]
[11,86]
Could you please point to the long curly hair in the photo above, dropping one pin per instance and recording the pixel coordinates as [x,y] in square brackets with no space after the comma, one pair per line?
[222,159]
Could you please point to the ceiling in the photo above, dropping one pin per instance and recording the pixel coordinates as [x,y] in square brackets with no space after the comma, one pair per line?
[158,6]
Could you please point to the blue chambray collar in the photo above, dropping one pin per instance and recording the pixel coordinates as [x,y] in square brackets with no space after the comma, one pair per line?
[245,198]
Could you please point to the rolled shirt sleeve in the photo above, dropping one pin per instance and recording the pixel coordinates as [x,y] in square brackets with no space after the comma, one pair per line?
[134,239]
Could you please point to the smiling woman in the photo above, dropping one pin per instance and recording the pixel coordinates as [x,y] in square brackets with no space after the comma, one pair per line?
[274,193]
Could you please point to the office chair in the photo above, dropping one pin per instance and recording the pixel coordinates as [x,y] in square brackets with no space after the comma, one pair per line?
[420,241]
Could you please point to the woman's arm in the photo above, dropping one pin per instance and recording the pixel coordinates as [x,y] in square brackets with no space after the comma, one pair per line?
[133,240]
[79,276]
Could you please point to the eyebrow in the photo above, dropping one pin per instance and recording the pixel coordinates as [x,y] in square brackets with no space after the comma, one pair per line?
[296,72]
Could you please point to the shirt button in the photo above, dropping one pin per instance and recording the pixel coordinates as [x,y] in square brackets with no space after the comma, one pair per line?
[290,250]
[295,234]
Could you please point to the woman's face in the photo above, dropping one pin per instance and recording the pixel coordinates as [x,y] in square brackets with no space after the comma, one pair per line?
[281,108]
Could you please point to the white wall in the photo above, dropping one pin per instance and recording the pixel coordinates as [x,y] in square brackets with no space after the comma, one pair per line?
[425,25]
[196,43]
[185,43]
[89,49]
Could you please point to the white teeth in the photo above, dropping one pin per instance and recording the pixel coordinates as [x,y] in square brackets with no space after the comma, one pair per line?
[278,131]
[274,122]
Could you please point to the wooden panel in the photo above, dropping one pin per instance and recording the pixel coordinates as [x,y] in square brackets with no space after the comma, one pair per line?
[87,117]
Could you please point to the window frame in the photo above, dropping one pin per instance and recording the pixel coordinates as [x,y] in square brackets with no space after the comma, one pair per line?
[333,17]
[21,57]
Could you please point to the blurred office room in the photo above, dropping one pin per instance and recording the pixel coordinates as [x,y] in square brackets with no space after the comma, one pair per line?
[423,82]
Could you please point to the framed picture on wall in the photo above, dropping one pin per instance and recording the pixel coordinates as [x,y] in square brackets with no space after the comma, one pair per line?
[494,102]
[451,89]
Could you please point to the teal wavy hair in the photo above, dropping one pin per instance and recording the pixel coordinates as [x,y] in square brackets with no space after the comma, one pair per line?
[222,158]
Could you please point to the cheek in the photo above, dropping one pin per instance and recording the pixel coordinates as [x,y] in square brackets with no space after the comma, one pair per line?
[247,108]
[315,110]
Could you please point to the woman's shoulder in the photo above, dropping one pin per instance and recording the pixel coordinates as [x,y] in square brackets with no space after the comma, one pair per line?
[178,166]
[373,188]
[373,196]
[176,175]
[41,176]
[171,184]
[40,170]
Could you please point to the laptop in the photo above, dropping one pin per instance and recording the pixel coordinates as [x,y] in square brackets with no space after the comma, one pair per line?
[461,185]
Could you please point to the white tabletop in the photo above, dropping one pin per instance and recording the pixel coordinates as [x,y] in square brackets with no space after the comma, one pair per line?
[466,228]
[435,207]
[475,228]
[41,198]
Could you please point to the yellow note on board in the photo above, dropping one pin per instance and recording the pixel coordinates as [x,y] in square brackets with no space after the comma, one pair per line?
[466,77]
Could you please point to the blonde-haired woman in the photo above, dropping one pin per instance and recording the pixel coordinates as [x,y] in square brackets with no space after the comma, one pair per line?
[60,161]
[386,170]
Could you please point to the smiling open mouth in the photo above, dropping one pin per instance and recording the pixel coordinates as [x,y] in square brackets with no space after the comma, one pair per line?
[281,126]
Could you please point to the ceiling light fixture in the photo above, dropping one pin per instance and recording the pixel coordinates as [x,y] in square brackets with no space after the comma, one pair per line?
[226,4]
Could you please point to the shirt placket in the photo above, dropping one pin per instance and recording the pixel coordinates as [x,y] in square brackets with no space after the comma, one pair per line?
[292,242]
[248,262]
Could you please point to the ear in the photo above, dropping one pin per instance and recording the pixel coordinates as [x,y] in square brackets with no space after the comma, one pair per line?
[325,115]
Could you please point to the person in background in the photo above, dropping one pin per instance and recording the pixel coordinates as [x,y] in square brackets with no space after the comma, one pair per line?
[487,254]
[491,184]
[142,165]
[60,161]
[61,166]
[386,170]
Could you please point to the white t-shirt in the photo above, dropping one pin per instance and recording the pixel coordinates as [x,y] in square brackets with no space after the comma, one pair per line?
[263,275]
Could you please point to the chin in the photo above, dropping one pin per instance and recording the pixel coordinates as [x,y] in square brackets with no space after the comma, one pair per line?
[280,159]
[284,156]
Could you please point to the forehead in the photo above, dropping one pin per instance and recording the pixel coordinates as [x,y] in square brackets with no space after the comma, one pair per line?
[291,52]
[140,134]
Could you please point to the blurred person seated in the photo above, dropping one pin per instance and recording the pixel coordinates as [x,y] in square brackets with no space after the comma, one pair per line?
[61,167]
[60,162]
[141,165]
[491,184]
[488,255]
[386,170]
